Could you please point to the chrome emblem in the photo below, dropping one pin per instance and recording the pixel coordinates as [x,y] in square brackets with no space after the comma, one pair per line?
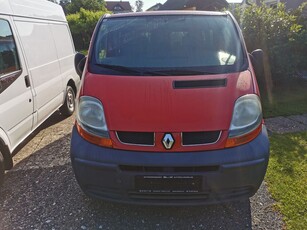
[168,141]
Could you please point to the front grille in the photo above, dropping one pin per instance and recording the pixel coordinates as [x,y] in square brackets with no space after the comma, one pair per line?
[133,168]
[188,138]
[136,138]
[201,196]
[200,138]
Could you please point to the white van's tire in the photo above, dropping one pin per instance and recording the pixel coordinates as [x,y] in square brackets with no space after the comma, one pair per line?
[69,105]
[1,169]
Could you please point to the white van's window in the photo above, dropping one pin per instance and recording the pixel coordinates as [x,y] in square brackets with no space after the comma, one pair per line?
[168,43]
[8,52]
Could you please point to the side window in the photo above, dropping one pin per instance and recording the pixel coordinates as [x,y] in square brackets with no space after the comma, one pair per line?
[8,52]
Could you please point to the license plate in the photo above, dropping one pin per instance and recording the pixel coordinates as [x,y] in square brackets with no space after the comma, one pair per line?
[168,184]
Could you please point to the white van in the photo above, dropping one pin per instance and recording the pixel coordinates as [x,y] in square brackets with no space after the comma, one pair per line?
[37,74]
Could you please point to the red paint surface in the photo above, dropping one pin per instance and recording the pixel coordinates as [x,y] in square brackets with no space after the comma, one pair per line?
[151,104]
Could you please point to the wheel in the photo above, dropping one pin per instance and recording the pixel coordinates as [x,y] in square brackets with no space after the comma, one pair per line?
[69,105]
[1,169]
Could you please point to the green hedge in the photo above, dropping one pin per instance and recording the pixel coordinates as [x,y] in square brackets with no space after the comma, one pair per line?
[82,25]
[281,34]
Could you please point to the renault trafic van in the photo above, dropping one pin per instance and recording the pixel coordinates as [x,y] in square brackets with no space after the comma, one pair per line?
[37,74]
[169,111]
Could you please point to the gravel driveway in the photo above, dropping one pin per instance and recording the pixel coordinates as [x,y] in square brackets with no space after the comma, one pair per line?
[40,192]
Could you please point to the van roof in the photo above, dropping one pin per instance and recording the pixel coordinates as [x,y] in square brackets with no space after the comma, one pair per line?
[41,9]
[168,12]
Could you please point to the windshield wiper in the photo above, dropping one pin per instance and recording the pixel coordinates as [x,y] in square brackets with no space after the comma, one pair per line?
[177,72]
[162,72]
[120,68]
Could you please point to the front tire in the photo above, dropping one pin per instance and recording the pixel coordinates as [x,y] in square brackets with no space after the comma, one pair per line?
[68,108]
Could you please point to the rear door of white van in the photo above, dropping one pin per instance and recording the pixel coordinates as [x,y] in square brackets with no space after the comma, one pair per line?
[16,98]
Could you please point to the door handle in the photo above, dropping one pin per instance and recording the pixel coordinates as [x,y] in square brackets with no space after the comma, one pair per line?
[27,81]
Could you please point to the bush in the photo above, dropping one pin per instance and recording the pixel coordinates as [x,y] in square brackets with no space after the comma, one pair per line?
[92,5]
[281,34]
[82,25]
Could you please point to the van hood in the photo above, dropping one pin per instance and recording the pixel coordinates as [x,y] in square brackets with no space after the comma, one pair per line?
[168,103]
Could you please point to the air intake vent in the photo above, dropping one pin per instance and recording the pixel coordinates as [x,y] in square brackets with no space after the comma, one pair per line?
[155,169]
[200,138]
[136,138]
[200,84]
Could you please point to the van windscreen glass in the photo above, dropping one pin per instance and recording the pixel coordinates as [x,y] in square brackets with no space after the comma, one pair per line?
[167,45]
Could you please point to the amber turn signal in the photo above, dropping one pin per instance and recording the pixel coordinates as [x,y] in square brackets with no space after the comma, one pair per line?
[240,140]
[101,141]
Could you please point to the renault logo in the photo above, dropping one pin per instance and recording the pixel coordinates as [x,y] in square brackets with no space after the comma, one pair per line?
[168,141]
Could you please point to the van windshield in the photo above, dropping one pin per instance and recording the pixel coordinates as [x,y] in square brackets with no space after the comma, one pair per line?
[167,45]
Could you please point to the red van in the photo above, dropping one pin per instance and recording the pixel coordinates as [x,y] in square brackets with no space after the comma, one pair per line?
[169,111]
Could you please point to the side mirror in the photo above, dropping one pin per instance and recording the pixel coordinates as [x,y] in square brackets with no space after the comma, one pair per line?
[257,61]
[80,60]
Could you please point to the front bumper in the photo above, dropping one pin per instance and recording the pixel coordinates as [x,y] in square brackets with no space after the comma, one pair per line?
[224,175]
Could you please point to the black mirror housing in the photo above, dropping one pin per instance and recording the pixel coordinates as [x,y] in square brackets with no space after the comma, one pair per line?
[257,61]
[80,60]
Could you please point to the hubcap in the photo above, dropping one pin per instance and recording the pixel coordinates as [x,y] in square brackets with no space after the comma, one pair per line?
[70,100]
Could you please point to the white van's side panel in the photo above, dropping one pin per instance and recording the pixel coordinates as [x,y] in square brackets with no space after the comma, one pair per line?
[44,67]
[65,51]
[64,47]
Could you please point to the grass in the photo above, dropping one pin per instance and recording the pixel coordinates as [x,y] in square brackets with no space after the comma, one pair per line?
[288,98]
[287,177]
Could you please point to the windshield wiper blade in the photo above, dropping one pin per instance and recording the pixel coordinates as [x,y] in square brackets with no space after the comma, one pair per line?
[120,68]
[178,72]
[162,72]
[156,73]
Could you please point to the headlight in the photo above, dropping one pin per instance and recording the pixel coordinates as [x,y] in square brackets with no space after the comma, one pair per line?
[90,116]
[247,115]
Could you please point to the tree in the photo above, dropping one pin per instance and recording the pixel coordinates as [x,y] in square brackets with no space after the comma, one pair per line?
[282,36]
[82,25]
[64,4]
[139,5]
[91,5]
